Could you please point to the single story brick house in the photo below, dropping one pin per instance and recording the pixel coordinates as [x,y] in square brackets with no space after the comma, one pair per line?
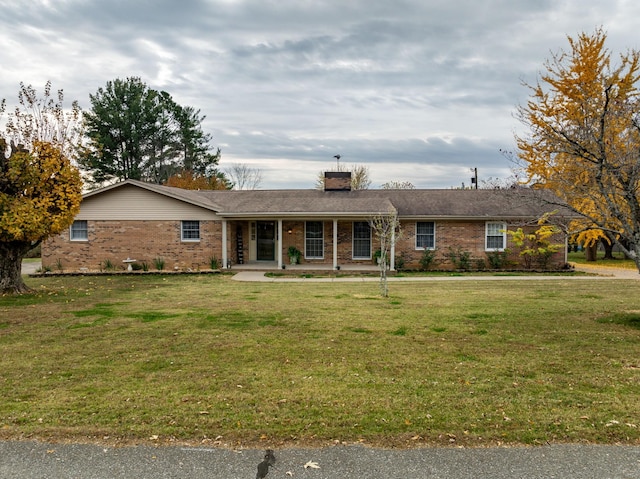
[139,221]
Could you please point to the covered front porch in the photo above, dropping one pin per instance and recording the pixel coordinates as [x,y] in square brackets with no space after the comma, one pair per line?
[323,244]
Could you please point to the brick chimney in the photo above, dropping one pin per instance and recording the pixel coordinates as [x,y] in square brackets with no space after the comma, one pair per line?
[337,181]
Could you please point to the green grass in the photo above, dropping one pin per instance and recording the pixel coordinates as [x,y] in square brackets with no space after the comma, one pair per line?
[194,357]
[619,260]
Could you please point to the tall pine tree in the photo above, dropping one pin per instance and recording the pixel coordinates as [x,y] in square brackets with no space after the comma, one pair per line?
[135,132]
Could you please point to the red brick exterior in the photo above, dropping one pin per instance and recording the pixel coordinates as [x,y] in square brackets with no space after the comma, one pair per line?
[337,180]
[145,241]
[465,236]
[458,235]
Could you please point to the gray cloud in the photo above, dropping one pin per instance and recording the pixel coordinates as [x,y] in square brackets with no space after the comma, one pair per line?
[417,90]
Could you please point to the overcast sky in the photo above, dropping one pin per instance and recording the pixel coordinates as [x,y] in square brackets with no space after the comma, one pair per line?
[417,90]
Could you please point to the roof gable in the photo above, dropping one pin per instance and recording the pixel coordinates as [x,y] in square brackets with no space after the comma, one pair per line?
[189,196]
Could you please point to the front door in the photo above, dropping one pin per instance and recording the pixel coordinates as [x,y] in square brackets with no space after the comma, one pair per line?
[266,241]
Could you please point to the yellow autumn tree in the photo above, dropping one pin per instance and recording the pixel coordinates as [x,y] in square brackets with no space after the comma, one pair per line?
[583,140]
[40,189]
[536,247]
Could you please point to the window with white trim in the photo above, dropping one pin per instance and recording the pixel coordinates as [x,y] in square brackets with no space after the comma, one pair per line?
[425,235]
[361,240]
[314,240]
[190,231]
[79,231]
[495,236]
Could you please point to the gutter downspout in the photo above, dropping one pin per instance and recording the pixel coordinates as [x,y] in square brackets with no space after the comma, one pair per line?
[392,251]
[225,264]
[279,244]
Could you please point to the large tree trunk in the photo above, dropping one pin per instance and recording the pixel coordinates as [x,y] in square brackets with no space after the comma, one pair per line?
[592,251]
[11,254]
[636,256]
[608,249]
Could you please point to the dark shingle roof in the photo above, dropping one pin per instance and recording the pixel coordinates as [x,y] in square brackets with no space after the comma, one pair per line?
[432,203]
[461,204]
[297,202]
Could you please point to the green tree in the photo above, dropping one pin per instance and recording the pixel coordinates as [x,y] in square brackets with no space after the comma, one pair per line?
[583,142]
[195,152]
[40,189]
[136,132]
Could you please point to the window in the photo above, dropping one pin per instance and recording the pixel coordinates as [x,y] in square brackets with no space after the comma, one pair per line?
[314,240]
[190,231]
[495,237]
[425,235]
[361,240]
[79,231]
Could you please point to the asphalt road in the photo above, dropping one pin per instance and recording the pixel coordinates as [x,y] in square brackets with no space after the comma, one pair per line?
[32,460]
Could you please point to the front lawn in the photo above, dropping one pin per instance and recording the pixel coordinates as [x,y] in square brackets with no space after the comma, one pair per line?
[207,360]
[619,260]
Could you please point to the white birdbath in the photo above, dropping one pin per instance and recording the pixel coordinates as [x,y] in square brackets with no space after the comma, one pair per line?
[128,261]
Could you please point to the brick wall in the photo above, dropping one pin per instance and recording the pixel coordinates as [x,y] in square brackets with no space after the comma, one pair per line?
[139,240]
[468,236]
[147,240]
[345,246]
[463,235]
[337,181]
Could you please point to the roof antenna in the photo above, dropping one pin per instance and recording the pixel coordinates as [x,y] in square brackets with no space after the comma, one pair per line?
[337,157]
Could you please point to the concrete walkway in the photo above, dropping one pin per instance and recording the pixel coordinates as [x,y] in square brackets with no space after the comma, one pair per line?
[595,273]
[30,267]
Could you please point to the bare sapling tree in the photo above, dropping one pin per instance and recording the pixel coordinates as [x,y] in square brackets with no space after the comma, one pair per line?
[386,228]
[244,177]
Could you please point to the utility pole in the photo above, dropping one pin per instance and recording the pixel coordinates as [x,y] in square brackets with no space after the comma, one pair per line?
[474,180]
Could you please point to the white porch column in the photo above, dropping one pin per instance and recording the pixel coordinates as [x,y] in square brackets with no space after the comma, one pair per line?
[279,245]
[392,253]
[335,244]
[224,245]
